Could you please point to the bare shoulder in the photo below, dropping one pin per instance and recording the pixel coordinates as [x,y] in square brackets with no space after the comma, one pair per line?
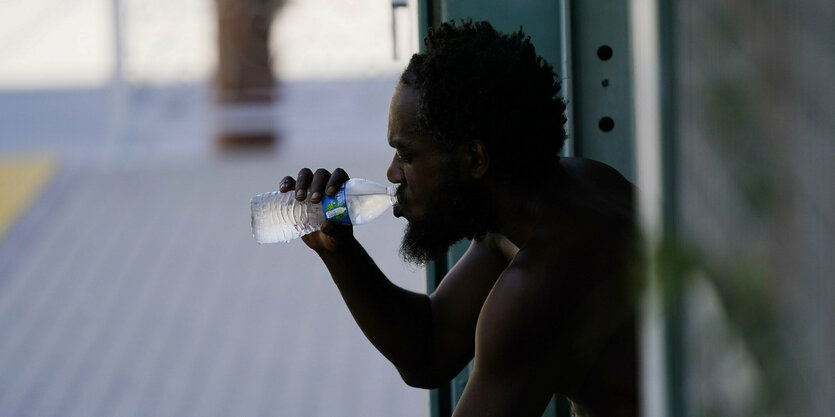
[566,320]
[524,305]
[498,243]
[600,187]
[598,173]
[515,368]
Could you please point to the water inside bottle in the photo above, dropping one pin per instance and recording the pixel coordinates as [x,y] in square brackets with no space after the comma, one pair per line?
[278,217]
[364,208]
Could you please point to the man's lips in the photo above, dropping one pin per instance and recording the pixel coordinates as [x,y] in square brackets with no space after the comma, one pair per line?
[397,208]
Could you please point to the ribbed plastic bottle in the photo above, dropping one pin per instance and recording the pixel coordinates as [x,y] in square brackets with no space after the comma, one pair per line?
[279,217]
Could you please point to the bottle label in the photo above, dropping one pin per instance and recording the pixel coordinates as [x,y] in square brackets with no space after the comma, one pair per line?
[335,208]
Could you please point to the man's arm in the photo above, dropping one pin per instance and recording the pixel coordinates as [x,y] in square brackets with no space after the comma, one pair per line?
[514,373]
[456,306]
[398,322]
[428,338]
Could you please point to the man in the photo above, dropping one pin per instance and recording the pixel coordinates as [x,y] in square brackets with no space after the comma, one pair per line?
[541,300]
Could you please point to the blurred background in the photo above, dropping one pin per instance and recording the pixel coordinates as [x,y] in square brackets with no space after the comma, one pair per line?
[132,136]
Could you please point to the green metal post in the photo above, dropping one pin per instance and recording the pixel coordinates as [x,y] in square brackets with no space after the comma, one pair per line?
[602,83]
[588,44]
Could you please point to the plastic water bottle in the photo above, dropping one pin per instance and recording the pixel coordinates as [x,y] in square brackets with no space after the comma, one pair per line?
[279,217]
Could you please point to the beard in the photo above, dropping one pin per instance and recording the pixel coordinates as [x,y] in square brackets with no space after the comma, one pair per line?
[454,212]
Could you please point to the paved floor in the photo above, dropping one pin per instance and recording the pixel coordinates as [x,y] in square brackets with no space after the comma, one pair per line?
[132,286]
[21,180]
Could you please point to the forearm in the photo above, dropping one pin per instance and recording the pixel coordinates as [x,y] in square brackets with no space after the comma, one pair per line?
[396,321]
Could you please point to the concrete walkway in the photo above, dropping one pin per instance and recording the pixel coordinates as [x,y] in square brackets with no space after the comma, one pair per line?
[132,286]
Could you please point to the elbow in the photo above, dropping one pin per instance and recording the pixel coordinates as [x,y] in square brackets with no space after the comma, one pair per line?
[427,378]
[419,379]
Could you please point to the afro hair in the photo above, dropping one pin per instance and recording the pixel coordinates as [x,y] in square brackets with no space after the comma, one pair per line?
[475,83]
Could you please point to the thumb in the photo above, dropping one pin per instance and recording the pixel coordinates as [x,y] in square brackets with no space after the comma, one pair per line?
[336,230]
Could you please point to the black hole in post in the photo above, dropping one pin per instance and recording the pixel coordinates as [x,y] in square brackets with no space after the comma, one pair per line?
[606,124]
[604,52]
[605,83]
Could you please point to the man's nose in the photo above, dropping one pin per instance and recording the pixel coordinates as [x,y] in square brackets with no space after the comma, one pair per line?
[394,174]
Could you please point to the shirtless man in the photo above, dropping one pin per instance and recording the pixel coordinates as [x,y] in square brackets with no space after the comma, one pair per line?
[542,300]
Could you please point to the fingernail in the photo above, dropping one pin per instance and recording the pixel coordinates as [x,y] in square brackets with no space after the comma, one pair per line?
[299,193]
[330,191]
[315,196]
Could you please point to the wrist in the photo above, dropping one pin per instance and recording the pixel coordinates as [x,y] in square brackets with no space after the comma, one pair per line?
[338,248]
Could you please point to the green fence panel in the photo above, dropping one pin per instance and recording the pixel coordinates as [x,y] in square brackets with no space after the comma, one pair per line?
[601,82]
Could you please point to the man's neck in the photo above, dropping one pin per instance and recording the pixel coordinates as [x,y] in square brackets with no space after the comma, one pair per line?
[519,215]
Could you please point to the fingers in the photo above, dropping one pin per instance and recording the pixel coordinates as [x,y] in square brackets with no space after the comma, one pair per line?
[333,235]
[287,184]
[320,178]
[336,181]
[303,183]
[336,230]
[320,183]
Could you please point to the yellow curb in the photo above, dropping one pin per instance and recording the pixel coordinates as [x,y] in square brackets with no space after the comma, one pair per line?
[22,177]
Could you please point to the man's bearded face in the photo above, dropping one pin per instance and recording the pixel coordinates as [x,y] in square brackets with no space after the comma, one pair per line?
[455,211]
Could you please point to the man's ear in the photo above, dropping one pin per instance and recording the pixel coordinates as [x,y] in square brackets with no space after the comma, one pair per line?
[475,159]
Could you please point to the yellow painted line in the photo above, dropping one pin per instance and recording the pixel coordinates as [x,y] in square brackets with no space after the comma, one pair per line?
[22,177]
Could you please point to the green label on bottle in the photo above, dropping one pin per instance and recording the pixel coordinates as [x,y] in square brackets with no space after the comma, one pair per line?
[336,208]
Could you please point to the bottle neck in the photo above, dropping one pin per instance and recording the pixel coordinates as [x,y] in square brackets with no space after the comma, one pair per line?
[392,193]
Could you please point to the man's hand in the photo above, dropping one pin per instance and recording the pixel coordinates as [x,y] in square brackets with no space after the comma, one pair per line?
[316,185]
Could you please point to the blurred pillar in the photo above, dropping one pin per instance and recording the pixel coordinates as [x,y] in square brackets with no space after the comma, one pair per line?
[244,82]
